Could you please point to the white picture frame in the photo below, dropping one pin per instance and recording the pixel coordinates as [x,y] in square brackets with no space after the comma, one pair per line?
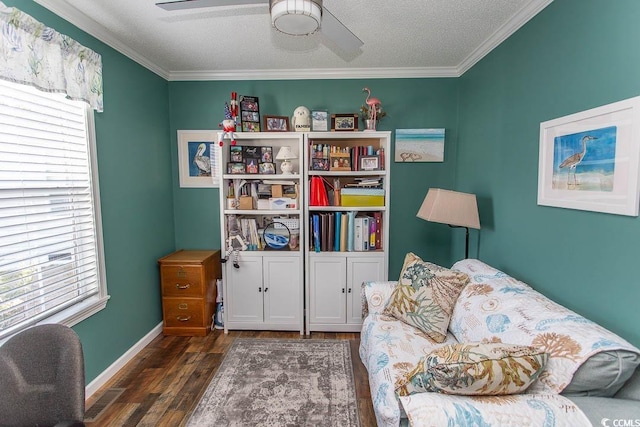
[189,144]
[589,160]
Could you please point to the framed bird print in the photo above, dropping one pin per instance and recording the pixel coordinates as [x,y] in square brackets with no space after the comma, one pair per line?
[198,158]
[589,160]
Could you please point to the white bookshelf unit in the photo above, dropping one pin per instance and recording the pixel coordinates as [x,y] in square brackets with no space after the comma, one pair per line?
[337,262]
[266,289]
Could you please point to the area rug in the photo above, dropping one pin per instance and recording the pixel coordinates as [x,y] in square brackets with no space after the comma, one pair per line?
[280,382]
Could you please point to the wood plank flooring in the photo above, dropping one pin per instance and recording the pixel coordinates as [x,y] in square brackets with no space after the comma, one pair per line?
[165,381]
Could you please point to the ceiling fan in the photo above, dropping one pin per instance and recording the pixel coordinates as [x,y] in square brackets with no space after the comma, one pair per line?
[294,17]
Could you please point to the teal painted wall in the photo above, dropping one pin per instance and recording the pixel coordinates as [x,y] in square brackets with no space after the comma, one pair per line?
[573,56]
[134,166]
[410,103]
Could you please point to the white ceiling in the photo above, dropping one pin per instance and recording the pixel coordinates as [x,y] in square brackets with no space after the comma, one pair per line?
[402,38]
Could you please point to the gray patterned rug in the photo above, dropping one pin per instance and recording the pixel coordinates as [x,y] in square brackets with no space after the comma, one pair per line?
[276,382]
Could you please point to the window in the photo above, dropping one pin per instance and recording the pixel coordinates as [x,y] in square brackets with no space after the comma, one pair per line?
[51,256]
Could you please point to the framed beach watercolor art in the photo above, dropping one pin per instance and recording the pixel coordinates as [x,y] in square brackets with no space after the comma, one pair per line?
[198,158]
[589,160]
[419,145]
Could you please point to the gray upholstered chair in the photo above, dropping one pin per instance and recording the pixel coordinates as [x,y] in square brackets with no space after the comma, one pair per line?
[42,378]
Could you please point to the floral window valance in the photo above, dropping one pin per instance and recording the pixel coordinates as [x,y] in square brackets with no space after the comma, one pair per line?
[34,54]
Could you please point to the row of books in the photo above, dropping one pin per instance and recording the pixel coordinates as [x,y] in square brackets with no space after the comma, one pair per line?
[249,230]
[346,231]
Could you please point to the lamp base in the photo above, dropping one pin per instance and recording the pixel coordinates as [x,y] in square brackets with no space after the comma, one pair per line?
[286,167]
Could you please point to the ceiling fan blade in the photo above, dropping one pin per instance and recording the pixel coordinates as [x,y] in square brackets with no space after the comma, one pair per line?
[193,4]
[335,31]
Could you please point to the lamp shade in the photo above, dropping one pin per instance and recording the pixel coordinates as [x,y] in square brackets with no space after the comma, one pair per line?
[285,153]
[450,207]
[296,17]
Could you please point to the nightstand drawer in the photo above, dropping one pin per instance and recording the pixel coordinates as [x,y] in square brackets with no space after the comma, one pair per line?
[181,281]
[182,312]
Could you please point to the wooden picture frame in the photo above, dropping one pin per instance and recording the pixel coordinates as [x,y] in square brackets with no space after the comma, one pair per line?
[344,122]
[319,120]
[194,147]
[369,163]
[340,162]
[276,123]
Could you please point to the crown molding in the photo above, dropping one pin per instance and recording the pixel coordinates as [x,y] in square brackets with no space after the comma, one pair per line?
[102,34]
[501,34]
[311,74]
[96,30]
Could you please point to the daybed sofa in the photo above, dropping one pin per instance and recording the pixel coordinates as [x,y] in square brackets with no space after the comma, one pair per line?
[590,378]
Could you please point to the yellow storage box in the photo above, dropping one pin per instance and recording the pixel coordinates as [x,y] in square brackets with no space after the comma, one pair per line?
[355,197]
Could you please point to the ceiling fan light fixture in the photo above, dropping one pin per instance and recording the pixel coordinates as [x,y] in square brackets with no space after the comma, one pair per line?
[296,17]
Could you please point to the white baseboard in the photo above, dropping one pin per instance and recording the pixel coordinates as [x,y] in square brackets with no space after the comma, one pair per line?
[106,375]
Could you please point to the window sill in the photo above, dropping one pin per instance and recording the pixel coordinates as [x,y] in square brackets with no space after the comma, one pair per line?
[78,312]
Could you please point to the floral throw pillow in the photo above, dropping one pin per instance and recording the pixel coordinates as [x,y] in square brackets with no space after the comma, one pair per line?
[425,296]
[475,369]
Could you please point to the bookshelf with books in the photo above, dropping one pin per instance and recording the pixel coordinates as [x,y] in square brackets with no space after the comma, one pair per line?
[261,229]
[347,220]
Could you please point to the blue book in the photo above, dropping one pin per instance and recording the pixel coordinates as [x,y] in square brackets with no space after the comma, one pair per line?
[316,232]
[350,231]
[336,240]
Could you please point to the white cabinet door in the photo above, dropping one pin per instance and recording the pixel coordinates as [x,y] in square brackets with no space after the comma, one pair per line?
[361,270]
[244,298]
[328,283]
[282,289]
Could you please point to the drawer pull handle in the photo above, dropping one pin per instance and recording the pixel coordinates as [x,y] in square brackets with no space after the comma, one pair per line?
[343,290]
[183,318]
[179,286]
[183,306]
[349,290]
[266,289]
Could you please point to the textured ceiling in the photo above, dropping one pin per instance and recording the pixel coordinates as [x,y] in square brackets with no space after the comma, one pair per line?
[402,38]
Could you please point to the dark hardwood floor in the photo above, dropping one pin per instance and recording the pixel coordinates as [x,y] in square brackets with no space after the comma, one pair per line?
[164,382]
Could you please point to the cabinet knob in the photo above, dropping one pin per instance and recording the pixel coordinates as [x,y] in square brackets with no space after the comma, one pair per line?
[183,318]
[266,289]
[343,290]
[259,289]
[349,290]
[179,286]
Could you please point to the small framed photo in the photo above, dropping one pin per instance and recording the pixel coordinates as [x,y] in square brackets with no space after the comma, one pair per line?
[340,162]
[344,122]
[266,154]
[267,168]
[276,123]
[251,165]
[235,168]
[319,164]
[369,163]
[235,153]
[250,153]
[319,120]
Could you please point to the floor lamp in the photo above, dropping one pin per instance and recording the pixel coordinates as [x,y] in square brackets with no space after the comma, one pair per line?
[452,208]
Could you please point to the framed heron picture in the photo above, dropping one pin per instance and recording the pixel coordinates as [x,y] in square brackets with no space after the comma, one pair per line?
[589,160]
[198,158]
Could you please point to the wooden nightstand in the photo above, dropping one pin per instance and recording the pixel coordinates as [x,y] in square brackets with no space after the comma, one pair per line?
[188,281]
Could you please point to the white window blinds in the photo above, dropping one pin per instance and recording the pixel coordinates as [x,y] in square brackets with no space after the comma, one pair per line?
[49,241]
